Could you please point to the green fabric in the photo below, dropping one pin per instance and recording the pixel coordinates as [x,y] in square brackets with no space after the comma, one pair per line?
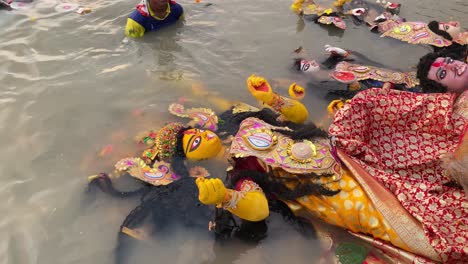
[350,253]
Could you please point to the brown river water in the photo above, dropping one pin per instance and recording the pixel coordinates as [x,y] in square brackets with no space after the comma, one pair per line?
[70,85]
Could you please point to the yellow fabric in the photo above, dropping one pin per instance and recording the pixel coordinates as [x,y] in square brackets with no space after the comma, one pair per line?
[134,29]
[350,209]
[252,207]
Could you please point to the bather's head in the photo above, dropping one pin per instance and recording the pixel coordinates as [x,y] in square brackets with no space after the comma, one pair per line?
[158,4]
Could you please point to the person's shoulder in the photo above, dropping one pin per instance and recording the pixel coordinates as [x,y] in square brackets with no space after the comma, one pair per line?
[135,14]
[176,7]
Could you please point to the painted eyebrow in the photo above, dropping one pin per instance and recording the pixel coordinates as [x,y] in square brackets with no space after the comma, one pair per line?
[189,143]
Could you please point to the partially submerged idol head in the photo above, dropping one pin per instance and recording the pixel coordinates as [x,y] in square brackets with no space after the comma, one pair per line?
[199,144]
[438,73]
[449,30]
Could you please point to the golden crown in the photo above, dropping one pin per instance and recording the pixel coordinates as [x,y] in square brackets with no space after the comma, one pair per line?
[164,141]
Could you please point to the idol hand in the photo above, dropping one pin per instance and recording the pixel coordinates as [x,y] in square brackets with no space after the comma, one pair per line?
[211,191]
[336,51]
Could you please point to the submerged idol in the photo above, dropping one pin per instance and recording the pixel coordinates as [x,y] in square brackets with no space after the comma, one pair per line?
[379,172]
[169,194]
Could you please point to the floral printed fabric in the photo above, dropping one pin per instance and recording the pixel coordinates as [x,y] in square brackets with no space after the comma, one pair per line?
[399,138]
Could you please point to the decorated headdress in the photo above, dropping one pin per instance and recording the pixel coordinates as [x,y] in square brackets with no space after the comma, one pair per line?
[164,142]
[162,162]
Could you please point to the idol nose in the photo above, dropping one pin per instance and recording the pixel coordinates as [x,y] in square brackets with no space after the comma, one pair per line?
[454,23]
[452,66]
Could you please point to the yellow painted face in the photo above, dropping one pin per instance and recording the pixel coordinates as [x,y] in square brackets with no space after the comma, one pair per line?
[200,144]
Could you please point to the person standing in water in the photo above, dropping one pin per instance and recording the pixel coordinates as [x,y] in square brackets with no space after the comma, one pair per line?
[152,15]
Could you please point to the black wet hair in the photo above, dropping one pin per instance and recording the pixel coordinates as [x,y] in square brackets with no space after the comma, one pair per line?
[340,94]
[178,159]
[424,65]
[276,187]
[103,182]
[163,209]
[297,64]
[231,123]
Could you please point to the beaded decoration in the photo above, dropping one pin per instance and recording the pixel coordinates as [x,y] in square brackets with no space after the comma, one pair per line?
[163,142]
[166,140]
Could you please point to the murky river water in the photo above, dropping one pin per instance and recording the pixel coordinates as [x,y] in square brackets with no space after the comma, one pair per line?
[70,85]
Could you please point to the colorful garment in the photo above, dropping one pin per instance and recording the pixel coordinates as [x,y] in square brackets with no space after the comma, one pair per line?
[387,166]
[398,138]
[364,72]
[416,33]
[259,147]
[143,19]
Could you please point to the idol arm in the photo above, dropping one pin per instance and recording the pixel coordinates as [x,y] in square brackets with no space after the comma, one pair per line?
[249,205]
[247,201]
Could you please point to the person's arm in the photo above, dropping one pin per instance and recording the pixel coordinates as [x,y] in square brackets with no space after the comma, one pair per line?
[456,164]
[248,202]
[182,15]
[134,29]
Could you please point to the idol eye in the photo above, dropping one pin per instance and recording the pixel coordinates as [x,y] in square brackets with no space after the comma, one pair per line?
[195,143]
[446,27]
[442,74]
[450,60]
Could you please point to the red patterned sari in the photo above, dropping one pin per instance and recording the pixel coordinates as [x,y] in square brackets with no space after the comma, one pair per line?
[393,142]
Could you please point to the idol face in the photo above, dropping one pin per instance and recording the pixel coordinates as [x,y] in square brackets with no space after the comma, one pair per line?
[200,144]
[451,73]
[452,28]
